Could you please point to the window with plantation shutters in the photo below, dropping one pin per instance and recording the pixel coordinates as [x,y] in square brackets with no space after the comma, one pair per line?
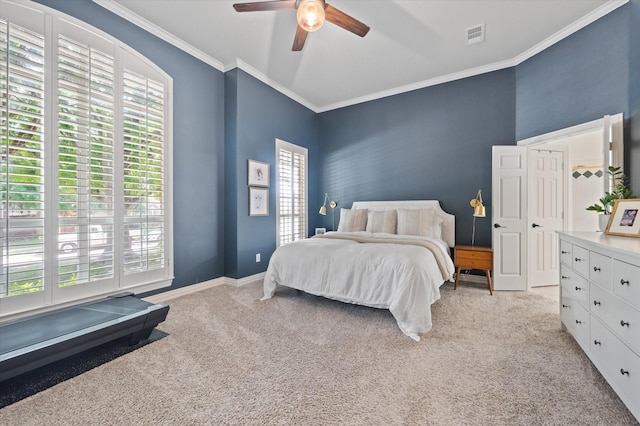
[85,163]
[84,167]
[291,173]
[143,174]
[22,120]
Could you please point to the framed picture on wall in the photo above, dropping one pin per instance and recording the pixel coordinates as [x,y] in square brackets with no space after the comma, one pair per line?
[258,202]
[258,173]
[624,219]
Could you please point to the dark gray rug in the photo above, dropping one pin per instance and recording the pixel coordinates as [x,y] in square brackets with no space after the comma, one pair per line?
[42,378]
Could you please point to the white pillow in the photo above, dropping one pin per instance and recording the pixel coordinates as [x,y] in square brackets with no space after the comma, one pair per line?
[422,222]
[382,221]
[352,220]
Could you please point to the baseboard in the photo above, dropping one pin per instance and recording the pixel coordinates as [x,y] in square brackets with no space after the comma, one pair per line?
[239,282]
[194,288]
[183,291]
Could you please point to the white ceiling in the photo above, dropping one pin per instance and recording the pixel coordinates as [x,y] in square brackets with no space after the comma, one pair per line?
[411,44]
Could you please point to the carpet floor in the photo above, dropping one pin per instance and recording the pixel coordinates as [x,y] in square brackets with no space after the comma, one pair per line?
[227,358]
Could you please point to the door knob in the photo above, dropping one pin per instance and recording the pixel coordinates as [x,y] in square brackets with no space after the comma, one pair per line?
[497,225]
[535,225]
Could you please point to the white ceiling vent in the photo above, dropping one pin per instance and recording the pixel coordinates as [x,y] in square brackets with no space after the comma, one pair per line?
[475,34]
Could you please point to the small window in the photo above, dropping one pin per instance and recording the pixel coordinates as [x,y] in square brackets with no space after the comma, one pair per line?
[291,199]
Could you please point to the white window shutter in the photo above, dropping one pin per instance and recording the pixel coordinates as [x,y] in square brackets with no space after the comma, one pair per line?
[22,97]
[291,173]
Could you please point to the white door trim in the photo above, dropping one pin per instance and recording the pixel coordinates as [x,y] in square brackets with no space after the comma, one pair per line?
[564,133]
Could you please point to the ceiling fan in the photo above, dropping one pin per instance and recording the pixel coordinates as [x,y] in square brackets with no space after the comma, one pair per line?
[311,14]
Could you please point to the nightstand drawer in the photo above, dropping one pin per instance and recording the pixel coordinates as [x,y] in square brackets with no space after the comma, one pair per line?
[474,263]
[473,257]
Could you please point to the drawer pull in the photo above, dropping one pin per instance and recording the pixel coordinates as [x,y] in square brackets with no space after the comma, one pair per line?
[564,252]
[564,277]
[578,288]
[624,372]
[596,303]
[623,281]
[596,269]
[597,342]
[624,323]
[578,322]
[577,259]
[565,306]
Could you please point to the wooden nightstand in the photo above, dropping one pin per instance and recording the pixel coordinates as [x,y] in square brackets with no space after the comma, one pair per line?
[474,257]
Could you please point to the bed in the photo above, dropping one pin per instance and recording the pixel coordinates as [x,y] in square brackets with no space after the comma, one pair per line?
[385,254]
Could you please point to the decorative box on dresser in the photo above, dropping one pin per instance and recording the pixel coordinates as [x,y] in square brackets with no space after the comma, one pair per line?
[600,306]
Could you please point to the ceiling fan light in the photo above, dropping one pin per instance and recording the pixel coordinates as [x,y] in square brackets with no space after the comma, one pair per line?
[310,15]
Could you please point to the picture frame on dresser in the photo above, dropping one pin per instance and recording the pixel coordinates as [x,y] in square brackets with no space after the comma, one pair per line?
[624,220]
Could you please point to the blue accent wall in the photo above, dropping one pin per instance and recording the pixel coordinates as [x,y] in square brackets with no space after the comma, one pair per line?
[257,115]
[433,143]
[633,142]
[429,143]
[231,170]
[582,78]
[198,137]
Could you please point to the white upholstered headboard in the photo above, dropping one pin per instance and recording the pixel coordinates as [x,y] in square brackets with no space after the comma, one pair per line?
[448,220]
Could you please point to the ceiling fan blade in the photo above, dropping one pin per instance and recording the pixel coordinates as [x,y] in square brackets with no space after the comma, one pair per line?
[259,6]
[298,41]
[341,19]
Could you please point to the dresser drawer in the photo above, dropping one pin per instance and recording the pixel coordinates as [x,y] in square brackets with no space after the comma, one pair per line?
[621,318]
[574,286]
[580,260]
[601,270]
[611,267]
[576,319]
[626,282]
[616,360]
[566,252]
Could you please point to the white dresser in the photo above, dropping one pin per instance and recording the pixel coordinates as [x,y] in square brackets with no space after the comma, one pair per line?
[600,306]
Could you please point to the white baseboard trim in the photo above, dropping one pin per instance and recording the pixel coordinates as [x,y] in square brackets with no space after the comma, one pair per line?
[239,282]
[251,279]
[194,288]
[183,291]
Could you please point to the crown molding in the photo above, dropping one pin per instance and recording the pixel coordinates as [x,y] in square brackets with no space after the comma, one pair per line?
[141,22]
[596,14]
[589,18]
[274,84]
[136,19]
[420,85]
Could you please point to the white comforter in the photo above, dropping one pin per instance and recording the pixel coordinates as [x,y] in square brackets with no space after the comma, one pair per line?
[387,272]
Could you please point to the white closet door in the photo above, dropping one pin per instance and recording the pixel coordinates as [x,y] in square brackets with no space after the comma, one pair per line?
[509,217]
